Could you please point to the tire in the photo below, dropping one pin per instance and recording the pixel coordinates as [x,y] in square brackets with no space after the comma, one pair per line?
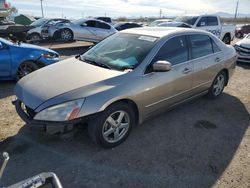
[227,39]
[66,35]
[238,35]
[35,38]
[25,69]
[218,85]
[108,122]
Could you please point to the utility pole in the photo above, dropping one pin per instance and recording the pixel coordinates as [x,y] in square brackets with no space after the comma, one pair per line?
[42,7]
[160,13]
[236,10]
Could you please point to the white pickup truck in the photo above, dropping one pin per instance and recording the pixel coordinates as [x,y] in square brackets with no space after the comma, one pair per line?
[211,23]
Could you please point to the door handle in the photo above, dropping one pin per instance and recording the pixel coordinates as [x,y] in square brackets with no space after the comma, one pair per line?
[217,59]
[186,71]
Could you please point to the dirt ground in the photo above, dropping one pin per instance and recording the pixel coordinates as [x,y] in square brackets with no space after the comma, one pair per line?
[204,143]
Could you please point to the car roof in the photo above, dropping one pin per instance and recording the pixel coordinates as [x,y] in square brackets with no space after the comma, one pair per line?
[161,31]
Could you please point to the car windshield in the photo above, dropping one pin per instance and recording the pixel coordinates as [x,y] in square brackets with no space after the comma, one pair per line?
[187,19]
[39,22]
[120,51]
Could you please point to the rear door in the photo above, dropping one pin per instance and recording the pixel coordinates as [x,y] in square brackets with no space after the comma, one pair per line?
[206,57]
[163,89]
[5,60]
[85,30]
[210,24]
[102,30]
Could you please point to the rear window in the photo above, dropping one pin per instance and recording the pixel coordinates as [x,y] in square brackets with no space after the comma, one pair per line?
[212,21]
[200,45]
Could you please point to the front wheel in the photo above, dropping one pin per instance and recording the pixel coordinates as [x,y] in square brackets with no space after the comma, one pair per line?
[66,35]
[218,85]
[25,69]
[112,126]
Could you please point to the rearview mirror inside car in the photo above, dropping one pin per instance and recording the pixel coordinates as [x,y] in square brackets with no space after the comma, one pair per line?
[161,66]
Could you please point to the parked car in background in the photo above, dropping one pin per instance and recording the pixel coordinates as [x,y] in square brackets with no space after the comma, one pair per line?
[91,30]
[50,30]
[174,24]
[19,59]
[242,48]
[125,79]
[105,19]
[210,23]
[35,34]
[157,22]
[242,30]
[126,25]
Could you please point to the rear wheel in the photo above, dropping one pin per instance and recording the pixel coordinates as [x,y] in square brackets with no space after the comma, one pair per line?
[25,69]
[112,126]
[227,39]
[218,85]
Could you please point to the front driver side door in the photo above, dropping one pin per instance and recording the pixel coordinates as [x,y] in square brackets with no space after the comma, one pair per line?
[163,89]
[5,60]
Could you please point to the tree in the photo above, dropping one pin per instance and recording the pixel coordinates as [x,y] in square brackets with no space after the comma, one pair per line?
[12,10]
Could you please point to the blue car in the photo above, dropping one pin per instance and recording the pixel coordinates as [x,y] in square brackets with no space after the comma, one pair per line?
[19,59]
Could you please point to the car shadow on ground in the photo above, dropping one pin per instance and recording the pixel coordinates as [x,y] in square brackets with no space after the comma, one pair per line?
[7,88]
[189,146]
[243,65]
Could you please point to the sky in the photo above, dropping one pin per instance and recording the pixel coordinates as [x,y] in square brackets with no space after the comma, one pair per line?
[127,8]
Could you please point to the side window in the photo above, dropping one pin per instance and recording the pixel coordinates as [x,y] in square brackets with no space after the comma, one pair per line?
[102,25]
[202,22]
[175,51]
[200,45]
[90,23]
[212,21]
[215,46]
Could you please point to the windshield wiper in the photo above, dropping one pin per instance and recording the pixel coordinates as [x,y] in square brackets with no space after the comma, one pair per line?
[96,63]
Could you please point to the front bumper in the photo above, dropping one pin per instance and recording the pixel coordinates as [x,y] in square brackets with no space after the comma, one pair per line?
[243,58]
[50,127]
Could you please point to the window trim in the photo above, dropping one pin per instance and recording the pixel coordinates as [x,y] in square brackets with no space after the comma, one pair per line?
[191,49]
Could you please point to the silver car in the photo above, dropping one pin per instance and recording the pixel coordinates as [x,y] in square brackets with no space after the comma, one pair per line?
[91,30]
[243,49]
[125,79]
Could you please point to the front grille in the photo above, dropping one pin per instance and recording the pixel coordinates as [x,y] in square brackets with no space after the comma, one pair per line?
[244,50]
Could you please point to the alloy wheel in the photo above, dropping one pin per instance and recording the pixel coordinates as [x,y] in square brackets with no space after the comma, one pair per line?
[116,126]
[218,85]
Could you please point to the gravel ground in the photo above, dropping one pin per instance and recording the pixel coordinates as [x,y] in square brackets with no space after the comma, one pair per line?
[204,143]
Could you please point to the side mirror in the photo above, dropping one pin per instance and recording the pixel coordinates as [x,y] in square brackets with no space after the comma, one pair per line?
[161,66]
[201,24]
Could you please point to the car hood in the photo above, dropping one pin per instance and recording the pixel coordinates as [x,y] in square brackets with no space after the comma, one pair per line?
[60,78]
[244,43]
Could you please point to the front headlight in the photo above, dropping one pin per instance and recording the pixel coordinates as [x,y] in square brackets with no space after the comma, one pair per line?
[61,112]
[49,55]
[236,47]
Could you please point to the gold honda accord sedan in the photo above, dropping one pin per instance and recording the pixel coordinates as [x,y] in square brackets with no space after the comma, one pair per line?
[123,80]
